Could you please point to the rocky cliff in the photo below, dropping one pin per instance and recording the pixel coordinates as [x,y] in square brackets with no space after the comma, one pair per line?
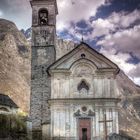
[129,112]
[63,47]
[14,64]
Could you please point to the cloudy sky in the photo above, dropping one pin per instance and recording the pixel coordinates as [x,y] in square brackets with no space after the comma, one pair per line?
[110,26]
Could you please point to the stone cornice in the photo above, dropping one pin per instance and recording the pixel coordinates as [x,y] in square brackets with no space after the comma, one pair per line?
[81,100]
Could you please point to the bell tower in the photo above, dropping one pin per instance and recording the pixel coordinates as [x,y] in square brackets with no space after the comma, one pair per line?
[43,55]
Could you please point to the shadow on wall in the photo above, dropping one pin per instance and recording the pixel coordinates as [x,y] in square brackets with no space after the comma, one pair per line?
[115,136]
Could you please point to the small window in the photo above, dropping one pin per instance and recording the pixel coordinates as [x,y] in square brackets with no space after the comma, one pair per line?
[83,87]
[43,17]
[83,55]
[84,108]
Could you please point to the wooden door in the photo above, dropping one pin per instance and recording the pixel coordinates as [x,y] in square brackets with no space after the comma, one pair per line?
[84,129]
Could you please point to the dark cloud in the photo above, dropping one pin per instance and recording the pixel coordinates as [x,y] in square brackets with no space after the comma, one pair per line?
[117,6]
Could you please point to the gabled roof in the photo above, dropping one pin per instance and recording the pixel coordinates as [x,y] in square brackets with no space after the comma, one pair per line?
[7,101]
[102,61]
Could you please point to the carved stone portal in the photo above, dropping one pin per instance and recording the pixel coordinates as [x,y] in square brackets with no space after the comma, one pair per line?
[84,129]
[88,113]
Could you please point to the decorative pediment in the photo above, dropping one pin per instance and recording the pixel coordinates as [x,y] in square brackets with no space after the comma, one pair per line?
[83,59]
[83,67]
[88,113]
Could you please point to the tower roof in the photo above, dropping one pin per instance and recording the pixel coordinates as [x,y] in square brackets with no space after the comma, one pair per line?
[45,1]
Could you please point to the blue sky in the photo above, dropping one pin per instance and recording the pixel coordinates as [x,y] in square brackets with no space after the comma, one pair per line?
[110,26]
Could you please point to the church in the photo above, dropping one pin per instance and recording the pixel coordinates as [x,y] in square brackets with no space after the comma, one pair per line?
[74,97]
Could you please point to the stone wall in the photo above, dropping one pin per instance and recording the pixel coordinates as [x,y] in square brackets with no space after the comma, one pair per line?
[42,57]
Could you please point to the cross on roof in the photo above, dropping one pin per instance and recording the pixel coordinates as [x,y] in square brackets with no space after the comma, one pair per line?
[105,121]
[82,37]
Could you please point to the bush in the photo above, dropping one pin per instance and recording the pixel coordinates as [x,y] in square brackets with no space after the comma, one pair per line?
[12,125]
[4,126]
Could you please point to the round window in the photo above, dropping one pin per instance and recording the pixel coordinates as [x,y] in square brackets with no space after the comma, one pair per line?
[84,108]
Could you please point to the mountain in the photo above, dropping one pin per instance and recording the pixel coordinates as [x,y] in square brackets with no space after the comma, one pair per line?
[14,64]
[15,76]
[62,46]
[27,33]
[129,107]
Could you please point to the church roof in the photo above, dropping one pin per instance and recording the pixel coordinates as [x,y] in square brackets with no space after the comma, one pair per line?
[7,101]
[104,62]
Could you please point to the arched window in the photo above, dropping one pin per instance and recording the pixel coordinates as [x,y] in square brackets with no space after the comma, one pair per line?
[83,87]
[4,109]
[43,17]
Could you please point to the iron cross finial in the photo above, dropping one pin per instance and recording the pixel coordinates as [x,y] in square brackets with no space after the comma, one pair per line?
[82,37]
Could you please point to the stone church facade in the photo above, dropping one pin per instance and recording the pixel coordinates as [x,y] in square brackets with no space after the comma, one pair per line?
[74,97]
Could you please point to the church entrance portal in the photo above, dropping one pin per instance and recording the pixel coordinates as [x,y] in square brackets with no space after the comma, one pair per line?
[84,129]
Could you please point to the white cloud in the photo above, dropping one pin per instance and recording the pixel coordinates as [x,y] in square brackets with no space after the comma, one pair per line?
[124,19]
[118,47]
[132,70]
[101,27]
[135,72]
[75,10]
[120,58]
[124,41]
[115,22]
